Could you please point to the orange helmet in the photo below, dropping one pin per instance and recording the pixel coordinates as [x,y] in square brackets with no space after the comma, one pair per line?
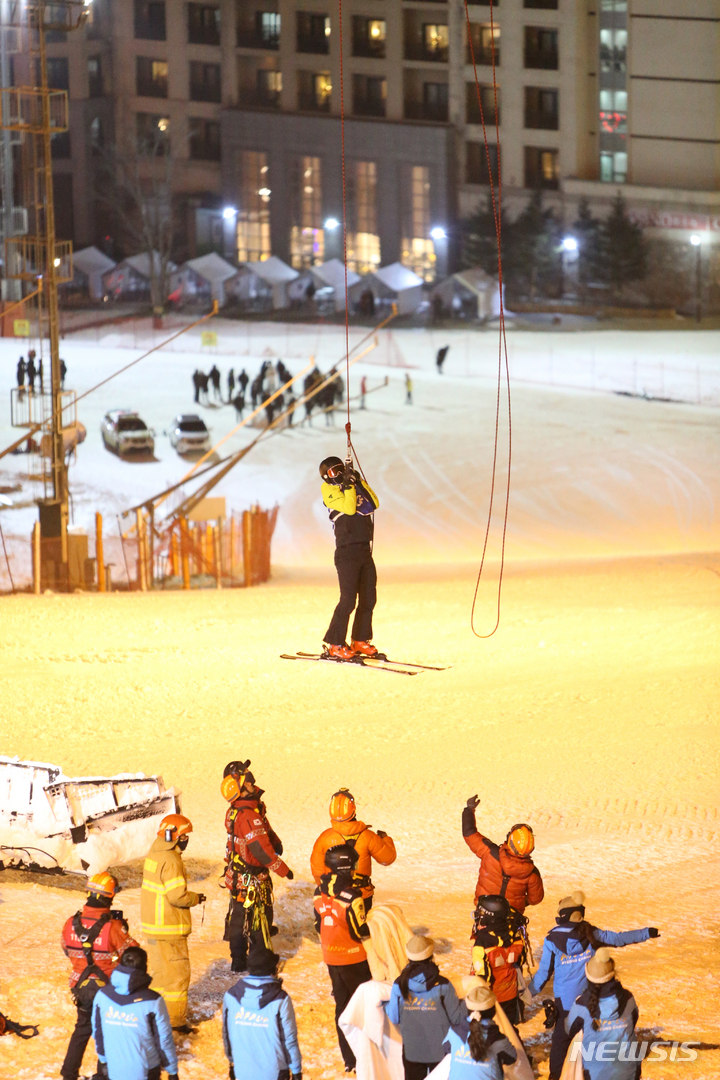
[234,777]
[173,826]
[342,806]
[102,885]
[520,840]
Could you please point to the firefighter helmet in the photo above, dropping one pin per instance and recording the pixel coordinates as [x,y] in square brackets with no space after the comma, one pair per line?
[341,858]
[235,775]
[520,840]
[102,885]
[342,806]
[174,826]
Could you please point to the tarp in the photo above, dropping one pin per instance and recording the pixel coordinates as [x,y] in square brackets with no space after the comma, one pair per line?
[93,263]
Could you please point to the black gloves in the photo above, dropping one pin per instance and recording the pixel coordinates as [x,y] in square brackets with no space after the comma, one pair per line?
[653,931]
[381,834]
[473,803]
[550,1013]
[289,875]
[278,847]
[201,898]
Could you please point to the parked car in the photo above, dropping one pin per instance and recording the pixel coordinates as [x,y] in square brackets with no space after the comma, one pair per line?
[125,433]
[189,434]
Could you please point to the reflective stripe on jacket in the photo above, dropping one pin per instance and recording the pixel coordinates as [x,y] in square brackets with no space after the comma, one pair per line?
[165,898]
[108,947]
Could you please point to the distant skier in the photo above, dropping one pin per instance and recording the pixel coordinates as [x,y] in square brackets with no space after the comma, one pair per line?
[204,382]
[214,376]
[63,373]
[440,358]
[351,504]
[243,380]
[196,376]
[239,403]
[231,384]
[408,389]
[256,389]
[21,368]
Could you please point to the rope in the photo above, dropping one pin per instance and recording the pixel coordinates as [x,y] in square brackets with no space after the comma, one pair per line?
[502,343]
[344,225]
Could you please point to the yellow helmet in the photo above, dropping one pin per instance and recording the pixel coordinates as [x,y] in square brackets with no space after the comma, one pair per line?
[173,826]
[342,806]
[520,840]
[102,885]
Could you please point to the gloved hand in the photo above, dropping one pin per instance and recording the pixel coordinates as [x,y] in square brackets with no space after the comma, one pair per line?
[473,803]
[279,848]
[381,834]
[551,1014]
[289,875]
[653,931]
[201,898]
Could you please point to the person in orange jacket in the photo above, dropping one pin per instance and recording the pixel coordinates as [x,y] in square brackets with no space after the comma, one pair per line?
[346,829]
[505,869]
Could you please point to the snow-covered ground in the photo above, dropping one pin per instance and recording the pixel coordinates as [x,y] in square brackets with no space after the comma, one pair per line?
[592,713]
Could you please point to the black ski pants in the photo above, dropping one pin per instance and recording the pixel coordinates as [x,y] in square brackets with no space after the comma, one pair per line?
[345,979]
[357,578]
[560,1041]
[79,1039]
[418,1070]
[239,934]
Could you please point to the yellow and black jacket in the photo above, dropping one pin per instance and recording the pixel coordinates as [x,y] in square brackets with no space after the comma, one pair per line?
[351,511]
[165,899]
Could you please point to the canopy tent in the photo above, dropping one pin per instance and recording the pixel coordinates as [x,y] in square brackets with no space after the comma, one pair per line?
[471,293]
[89,265]
[204,278]
[130,279]
[266,280]
[331,275]
[394,284]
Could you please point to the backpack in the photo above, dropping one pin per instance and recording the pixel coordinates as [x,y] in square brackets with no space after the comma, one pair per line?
[92,977]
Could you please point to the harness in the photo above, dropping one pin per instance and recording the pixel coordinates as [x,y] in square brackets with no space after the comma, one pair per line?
[92,977]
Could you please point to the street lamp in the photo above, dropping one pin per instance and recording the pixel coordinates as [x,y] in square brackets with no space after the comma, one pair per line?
[331,223]
[696,241]
[570,244]
[438,233]
[229,213]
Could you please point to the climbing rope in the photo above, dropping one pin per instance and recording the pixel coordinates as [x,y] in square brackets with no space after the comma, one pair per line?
[502,343]
[344,228]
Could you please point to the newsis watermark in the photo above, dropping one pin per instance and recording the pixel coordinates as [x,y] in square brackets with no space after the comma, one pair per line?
[640,1050]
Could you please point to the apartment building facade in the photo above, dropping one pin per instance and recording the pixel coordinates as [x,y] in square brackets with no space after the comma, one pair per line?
[593,96]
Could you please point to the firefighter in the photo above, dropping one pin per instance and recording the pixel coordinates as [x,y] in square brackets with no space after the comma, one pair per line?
[253,851]
[346,829]
[505,869]
[499,952]
[94,940]
[340,921]
[165,903]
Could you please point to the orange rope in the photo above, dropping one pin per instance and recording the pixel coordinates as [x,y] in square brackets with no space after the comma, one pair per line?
[344,222]
[502,345]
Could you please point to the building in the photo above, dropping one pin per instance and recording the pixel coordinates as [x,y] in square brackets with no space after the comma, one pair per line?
[593,96]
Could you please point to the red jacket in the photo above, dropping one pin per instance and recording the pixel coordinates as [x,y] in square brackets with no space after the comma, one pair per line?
[502,873]
[108,947]
[340,921]
[252,846]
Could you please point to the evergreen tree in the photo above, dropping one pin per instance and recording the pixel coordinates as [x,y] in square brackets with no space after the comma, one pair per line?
[534,260]
[587,232]
[623,250]
[479,240]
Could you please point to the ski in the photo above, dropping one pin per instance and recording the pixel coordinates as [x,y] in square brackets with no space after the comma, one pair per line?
[386,660]
[360,663]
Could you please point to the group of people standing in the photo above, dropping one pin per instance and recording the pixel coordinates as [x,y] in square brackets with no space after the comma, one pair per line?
[31,371]
[396,1015]
[243,392]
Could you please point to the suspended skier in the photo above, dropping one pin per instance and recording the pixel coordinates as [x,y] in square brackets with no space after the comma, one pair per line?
[351,503]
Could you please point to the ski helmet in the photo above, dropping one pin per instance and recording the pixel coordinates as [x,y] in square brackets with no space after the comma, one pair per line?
[331,463]
[102,885]
[174,826]
[492,909]
[341,859]
[520,840]
[235,776]
[342,806]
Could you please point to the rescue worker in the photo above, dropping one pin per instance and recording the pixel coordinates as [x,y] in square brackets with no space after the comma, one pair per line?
[131,1026]
[258,1022]
[478,1047]
[505,869]
[351,504]
[165,903]
[346,829]
[94,939]
[607,1015]
[499,952]
[340,921]
[252,853]
[566,951]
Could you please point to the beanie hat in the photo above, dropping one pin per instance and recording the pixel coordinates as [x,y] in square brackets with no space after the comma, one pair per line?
[261,960]
[572,906]
[419,948]
[600,968]
[479,998]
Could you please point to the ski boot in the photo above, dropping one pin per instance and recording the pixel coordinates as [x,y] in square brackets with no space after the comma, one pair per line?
[339,652]
[363,648]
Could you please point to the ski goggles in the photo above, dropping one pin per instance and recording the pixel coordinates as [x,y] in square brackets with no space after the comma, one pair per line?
[335,470]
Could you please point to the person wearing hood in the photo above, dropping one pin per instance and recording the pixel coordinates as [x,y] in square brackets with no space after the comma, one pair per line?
[477,1047]
[607,1015]
[252,853]
[341,924]
[423,1004]
[506,869]
[131,1026]
[258,1022]
[566,951]
[165,903]
[346,829]
[94,941]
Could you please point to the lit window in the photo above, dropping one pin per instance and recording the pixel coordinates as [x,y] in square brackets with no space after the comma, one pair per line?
[253,220]
[323,89]
[363,242]
[436,38]
[307,236]
[418,250]
[376,29]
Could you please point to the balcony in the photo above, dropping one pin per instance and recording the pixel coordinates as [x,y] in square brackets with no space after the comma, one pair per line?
[203,24]
[205,82]
[423,110]
[541,109]
[425,41]
[150,20]
[368,38]
[151,77]
[265,34]
[541,48]
[472,107]
[483,37]
[313,33]
[309,102]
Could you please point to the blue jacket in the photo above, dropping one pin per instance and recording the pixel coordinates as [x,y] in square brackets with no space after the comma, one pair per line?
[564,957]
[424,1019]
[259,1029]
[462,1064]
[617,1019]
[131,1027]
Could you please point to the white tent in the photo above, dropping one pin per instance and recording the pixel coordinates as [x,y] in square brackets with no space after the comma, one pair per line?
[130,279]
[331,275]
[274,274]
[472,293]
[203,278]
[92,264]
[395,284]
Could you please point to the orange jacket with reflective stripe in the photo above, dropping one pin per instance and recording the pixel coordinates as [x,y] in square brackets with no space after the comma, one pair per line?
[165,899]
[340,921]
[368,845]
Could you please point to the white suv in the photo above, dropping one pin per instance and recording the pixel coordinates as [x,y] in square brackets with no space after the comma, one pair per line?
[125,433]
[188,434]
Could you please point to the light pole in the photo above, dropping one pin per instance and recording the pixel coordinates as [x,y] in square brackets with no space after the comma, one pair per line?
[696,241]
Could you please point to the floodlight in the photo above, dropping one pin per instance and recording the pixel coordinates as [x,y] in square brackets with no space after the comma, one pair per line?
[438,233]
[695,240]
[332,223]
[229,212]
[570,243]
